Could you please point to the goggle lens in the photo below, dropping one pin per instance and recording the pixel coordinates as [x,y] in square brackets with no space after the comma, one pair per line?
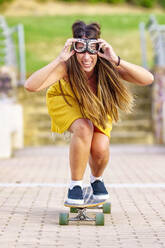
[81,46]
[93,46]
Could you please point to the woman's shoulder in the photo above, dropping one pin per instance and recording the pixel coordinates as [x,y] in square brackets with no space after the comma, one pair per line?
[62,80]
[66,78]
[56,86]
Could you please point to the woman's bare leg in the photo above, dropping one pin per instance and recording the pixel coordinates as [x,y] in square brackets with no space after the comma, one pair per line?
[99,154]
[80,145]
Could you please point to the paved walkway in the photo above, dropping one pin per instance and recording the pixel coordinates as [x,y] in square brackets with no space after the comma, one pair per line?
[33,186]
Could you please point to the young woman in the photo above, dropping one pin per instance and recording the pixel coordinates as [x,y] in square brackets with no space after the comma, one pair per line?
[85,95]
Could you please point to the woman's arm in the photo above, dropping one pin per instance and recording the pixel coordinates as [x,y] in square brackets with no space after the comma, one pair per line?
[52,72]
[134,73]
[129,72]
[46,76]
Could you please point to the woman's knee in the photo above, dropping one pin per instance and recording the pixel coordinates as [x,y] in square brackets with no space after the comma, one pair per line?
[82,128]
[100,150]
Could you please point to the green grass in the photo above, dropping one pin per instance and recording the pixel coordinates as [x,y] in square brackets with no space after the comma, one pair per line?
[46,35]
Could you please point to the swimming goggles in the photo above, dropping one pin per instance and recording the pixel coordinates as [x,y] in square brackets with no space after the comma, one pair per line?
[86,45]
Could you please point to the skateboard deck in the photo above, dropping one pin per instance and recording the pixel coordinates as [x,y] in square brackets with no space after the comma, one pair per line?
[89,203]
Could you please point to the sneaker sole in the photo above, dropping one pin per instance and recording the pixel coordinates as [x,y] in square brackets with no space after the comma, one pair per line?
[101,197]
[73,201]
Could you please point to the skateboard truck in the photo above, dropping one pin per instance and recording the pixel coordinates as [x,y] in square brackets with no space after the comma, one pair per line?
[81,216]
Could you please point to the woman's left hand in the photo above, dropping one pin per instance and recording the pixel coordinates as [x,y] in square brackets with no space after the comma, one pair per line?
[109,53]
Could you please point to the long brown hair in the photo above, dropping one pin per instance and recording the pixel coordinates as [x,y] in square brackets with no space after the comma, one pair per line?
[111,93]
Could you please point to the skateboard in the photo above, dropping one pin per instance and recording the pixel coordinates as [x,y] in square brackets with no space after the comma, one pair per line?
[89,203]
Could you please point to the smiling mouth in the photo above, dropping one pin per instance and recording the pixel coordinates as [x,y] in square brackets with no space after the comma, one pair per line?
[86,64]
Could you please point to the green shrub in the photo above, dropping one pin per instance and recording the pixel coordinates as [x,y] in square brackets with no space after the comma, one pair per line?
[143,3]
[147,3]
[115,1]
[162,3]
[104,1]
[5,1]
[93,1]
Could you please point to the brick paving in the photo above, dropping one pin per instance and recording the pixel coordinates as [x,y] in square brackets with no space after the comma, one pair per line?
[33,186]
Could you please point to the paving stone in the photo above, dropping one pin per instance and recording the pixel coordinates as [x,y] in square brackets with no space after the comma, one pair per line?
[29,213]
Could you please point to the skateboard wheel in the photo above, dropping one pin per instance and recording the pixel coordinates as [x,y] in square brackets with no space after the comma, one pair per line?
[73,210]
[99,219]
[107,208]
[63,218]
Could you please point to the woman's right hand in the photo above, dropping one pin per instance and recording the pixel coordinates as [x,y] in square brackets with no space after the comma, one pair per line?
[66,53]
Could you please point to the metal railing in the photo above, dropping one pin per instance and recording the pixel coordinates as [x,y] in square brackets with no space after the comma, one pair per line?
[157,36]
[8,54]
